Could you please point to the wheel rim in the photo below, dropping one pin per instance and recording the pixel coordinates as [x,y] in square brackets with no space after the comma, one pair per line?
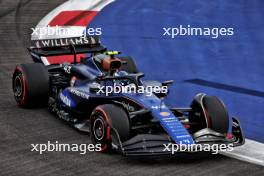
[18,86]
[99,129]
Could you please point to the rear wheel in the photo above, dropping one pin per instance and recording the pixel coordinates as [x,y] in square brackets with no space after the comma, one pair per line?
[107,117]
[31,85]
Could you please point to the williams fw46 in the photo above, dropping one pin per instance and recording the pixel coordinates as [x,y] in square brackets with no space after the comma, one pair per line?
[67,76]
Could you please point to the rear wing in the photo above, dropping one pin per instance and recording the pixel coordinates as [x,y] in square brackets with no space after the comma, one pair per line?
[55,51]
[63,46]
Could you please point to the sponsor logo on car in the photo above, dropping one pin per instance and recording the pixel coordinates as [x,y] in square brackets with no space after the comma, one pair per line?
[163,106]
[65,42]
[65,100]
[164,114]
[79,94]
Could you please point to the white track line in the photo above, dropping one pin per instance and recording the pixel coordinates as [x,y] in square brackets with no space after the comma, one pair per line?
[251,151]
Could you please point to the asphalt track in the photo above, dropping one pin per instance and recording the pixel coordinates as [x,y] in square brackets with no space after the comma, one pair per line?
[19,127]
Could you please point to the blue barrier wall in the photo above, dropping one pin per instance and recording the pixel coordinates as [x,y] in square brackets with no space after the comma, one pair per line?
[229,67]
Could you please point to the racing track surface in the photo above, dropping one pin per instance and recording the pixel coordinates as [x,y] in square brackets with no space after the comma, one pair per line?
[19,128]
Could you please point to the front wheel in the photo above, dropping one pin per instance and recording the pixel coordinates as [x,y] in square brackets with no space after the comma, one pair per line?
[211,112]
[103,119]
[217,114]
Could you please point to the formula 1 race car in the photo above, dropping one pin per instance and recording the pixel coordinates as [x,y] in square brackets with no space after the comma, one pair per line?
[72,77]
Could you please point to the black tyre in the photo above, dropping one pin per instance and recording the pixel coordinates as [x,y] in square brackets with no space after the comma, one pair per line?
[130,67]
[107,117]
[217,115]
[31,85]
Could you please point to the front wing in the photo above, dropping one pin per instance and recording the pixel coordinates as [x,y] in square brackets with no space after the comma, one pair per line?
[153,144]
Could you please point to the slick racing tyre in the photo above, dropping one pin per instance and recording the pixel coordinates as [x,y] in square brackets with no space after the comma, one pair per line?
[106,118]
[209,112]
[31,85]
[217,114]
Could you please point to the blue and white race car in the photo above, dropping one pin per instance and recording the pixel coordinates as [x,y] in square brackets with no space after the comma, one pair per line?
[104,94]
